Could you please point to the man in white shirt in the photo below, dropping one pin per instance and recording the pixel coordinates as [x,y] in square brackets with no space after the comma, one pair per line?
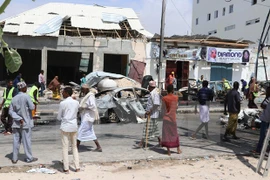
[152,110]
[67,114]
[41,80]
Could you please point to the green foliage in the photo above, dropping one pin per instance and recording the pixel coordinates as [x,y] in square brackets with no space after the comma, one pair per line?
[13,60]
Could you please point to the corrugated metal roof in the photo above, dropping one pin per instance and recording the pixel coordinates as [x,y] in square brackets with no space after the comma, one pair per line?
[28,30]
[92,23]
[112,18]
[11,28]
[135,24]
[146,33]
[50,26]
[82,16]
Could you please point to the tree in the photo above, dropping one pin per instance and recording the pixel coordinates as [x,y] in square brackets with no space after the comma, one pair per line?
[13,60]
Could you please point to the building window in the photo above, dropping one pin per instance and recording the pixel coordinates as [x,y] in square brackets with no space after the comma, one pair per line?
[228,28]
[208,17]
[198,1]
[253,2]
[197,21]
[231,9]
[252,21]
[223,11]
[216,14]
[212,32]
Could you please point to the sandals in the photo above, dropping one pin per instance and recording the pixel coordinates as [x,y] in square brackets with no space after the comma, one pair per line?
[14,162]
[66,171]
[7,133]
[192,138]
[97,150]
[137,146]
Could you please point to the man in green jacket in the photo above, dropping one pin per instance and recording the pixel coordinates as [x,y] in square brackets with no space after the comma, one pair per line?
[9,93]
[33,93]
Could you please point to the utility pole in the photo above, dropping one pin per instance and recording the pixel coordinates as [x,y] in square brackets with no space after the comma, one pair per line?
[159,65]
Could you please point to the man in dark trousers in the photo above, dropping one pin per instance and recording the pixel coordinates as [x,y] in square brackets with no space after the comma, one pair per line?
[232,100]
[6,119]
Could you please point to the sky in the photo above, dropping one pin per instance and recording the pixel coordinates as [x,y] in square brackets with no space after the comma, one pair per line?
[178,12]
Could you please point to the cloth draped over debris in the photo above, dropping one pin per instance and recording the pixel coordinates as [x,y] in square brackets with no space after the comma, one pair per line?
[41,170]
[94,78]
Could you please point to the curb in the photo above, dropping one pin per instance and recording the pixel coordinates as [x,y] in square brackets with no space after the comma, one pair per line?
[184,111]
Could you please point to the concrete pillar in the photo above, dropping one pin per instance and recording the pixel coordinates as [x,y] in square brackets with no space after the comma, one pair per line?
[98,61]
[44,61]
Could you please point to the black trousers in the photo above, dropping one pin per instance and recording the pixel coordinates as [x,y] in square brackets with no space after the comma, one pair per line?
[6,119]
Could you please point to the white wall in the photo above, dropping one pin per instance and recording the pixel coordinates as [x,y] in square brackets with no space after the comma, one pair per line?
[242,12]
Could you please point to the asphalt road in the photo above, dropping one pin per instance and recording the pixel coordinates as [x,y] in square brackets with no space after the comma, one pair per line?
[117,141]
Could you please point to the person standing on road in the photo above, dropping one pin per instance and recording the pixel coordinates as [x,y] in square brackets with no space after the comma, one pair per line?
[67,114]
[83,81]
[199,82]
[6,119]
[41,80]
[233,101]
[33,93]
[174,83]
[253,93]
[244,87]
[88,111]
[170,137]
[265,119]
[20,110]
[205,95]
[152,110]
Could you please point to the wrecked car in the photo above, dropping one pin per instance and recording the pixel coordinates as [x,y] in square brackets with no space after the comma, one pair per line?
[125,104]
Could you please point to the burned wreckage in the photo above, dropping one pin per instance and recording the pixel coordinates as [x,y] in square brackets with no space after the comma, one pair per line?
[119,98]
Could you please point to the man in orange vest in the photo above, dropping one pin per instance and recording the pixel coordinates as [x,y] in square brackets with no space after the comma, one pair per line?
[6,119]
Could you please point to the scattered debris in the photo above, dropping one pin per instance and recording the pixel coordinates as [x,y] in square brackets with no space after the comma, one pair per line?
[41,170]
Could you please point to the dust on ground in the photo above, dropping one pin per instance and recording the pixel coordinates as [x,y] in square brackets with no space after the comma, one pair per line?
[210,168]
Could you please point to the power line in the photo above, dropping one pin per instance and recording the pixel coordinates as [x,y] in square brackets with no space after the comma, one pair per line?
[182,16]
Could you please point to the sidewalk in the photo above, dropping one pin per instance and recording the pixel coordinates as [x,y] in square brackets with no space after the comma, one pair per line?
[117,143]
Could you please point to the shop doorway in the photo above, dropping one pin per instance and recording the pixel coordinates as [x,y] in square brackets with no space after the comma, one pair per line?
[181,71]
[221,70]
[116,63]
[65,65]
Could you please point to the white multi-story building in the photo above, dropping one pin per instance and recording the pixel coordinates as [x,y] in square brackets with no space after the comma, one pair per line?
[238,20]
[231,19]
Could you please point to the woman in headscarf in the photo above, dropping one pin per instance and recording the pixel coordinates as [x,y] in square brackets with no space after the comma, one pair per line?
[253,93]
[170,137]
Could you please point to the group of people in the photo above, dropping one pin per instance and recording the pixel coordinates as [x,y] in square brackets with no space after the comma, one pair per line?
[167,106]
[11,91]
[19,109]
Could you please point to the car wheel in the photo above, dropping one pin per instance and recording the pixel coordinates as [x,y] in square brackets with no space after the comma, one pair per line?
[112,116]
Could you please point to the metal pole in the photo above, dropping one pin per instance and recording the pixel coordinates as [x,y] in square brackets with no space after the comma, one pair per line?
[266,78]
[259,46]
[159,66]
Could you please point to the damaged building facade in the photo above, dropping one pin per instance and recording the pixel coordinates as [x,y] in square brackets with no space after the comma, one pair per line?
[189,57]
[67,40]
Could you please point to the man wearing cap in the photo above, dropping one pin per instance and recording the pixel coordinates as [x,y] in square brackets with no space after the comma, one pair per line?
[152,110]
[21,111]
[88,111]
